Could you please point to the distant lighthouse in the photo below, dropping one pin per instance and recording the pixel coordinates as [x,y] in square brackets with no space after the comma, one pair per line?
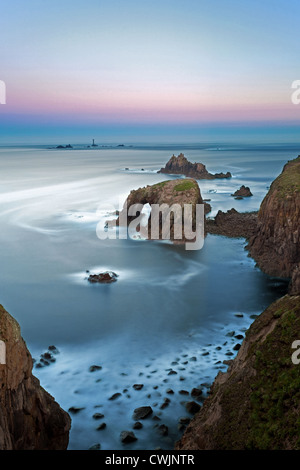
[94,145]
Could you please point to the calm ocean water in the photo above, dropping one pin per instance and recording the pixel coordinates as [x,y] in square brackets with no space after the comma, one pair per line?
[165,322]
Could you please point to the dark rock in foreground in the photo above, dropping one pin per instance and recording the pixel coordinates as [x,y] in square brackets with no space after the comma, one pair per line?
[30,419]
[181,166]
[127,437]
[142,412]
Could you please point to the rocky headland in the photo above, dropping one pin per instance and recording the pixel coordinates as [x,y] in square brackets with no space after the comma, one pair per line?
[30,418]
[256,403]
[276,244]
[181,166]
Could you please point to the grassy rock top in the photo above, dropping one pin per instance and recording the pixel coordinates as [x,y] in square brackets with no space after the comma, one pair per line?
[185,191]
[288,182]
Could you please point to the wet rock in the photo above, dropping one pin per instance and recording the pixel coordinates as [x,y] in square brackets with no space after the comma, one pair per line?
[237,347]
[138,386]
[115,396]
[142,412]
[163,430]
[95,447]
[170,391]
[75,409]
[103,278]
[98,416]
[196,392]
[101,427]
[183,392]
[137,425]
[94,368]
[184,420]
[127,437]
[192,407]
[53,349]
[156,418]
[165,403]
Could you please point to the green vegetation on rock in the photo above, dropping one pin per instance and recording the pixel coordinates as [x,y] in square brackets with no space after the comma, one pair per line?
[275,397]
[288,181]
[185,186]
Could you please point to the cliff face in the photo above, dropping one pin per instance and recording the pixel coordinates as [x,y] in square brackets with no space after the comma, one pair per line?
[256,403]
[29,416]
[276,244]
[177,192]
[181,166]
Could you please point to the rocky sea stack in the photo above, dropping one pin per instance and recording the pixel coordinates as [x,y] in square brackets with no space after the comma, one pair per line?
[30,418]
[244,191]
[181,166]
[171,192]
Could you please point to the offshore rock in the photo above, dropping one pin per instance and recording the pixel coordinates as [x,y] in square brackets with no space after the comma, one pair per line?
[244,191]
[181,166]
[178,192]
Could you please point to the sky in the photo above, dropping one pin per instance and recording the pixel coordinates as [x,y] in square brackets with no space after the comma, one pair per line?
[134,70]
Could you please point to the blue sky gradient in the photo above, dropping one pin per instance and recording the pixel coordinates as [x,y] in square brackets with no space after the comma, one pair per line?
[134,69]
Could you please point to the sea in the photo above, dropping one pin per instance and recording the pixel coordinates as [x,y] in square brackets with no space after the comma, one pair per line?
[173,316]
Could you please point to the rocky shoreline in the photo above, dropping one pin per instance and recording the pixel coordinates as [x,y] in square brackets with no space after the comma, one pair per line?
[256,403]
[233,224]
